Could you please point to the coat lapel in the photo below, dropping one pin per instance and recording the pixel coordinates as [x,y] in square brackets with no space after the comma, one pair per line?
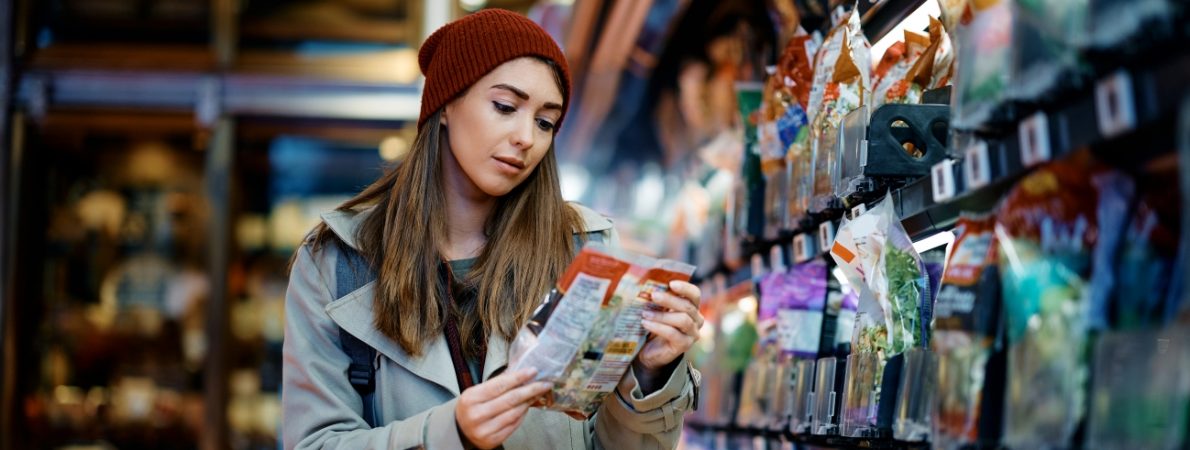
[354,314]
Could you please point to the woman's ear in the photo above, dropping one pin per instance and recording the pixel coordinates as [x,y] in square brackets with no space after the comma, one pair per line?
[442,117]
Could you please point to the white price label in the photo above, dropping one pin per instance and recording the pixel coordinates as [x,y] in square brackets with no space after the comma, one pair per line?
[977,170]
[1114,107]
[1034,137]
[777,258]
[858,210]
[942,180]
[802,249]
[826,235]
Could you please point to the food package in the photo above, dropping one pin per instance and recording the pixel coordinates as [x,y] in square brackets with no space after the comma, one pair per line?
[588,330]
[1141,394]
[906,72]
[784,127]
[1148,287]
[878,260]
[1046,231]
[983,63]
[1045,47]
[1115,22]
[842,83]
[751,205]
[800,315]
[966,321]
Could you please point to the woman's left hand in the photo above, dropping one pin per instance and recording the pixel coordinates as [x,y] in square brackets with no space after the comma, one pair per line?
[674,328]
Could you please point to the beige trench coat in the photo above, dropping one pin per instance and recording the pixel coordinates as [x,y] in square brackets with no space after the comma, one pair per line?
[415,396]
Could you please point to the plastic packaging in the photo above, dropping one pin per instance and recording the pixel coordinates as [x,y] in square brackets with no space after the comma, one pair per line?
[915,399]
[966,324]
[1114,22]
[878,260]
[1045,47]
[826,397]
[799,319]
[588,330]
[983,63]
[1148,288]
[1141,394]
[842,83]
[1047,229]
[910,74]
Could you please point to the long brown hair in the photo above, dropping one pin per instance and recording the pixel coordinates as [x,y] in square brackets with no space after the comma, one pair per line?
[529,243]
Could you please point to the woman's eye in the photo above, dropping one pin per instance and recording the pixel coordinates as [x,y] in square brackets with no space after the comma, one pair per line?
[545,125]
[503,108]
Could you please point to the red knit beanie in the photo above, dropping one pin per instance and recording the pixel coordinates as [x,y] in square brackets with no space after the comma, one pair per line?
[461,52]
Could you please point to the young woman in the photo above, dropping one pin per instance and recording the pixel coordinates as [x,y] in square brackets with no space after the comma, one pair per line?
[401,304]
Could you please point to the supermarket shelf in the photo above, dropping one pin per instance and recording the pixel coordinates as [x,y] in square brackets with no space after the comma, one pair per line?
[1130,109]
[818,441]
[1122,111]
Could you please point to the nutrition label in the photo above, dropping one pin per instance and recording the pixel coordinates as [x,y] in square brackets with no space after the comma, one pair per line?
[621,349]
[568,326]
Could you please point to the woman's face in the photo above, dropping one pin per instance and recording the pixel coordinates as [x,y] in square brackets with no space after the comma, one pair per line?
[502,127]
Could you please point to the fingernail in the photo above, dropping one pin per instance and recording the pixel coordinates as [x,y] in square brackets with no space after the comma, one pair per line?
[648,314]
[545,385]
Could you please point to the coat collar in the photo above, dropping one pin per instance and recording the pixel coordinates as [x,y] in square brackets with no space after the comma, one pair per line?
[354,312]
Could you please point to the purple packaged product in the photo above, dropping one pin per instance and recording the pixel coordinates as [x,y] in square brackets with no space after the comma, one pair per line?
[799,317]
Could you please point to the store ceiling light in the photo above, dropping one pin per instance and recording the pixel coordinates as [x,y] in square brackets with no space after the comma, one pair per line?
[945,238]
[917,21]
[473,5]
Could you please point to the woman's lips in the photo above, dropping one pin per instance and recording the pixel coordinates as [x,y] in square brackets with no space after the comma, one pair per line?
[509,164]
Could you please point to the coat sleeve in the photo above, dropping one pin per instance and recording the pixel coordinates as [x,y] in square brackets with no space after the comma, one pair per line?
[320,408]
[630,420]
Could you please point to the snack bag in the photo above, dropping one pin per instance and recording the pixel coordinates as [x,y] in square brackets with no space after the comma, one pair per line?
[842,83]
[799,318]
[966,321]
[983,63]
[1148,283]
[1044,44]
[1047,229]
[878,260]
[588,330]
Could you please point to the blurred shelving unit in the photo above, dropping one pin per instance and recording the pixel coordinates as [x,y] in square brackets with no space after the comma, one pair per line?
[160,140]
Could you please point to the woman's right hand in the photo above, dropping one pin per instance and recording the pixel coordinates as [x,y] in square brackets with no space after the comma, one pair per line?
[489,412]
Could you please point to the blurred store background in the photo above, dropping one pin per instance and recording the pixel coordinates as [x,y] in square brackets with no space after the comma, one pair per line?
[163,158]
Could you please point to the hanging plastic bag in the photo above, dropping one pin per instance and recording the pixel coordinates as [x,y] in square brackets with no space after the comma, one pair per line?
[966,322]
[842,83]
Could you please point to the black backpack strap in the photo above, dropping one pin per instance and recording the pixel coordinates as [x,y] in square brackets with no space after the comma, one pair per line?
[351,273]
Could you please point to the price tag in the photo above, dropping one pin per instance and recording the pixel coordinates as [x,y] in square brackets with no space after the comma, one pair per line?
[1114,107]
[777,258]
[858,210]
[802,248]
[826,235]
[1034,136]
[977,169]
[942,180]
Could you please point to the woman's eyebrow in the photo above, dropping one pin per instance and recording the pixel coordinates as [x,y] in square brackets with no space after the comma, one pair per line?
[525,96]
